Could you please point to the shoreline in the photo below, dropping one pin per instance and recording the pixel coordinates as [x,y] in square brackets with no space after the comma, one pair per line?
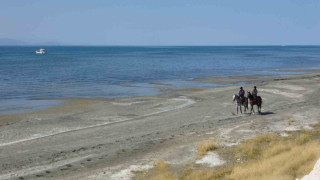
[108,135]
[210,82]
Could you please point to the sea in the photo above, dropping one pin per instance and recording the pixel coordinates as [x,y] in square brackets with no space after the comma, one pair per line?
[30,81]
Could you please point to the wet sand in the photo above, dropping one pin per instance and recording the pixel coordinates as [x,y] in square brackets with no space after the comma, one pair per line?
[108,138]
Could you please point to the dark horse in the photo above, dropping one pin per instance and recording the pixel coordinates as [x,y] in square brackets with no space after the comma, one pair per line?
[254,101]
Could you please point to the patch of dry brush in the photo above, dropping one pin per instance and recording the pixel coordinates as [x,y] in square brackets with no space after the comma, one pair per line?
[266,157]
[206,146]
[280,160]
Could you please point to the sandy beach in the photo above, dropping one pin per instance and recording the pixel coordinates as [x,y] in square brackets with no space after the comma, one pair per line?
[110,138]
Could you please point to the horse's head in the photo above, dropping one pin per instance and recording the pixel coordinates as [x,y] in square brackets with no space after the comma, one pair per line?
[234,97]
[248,94]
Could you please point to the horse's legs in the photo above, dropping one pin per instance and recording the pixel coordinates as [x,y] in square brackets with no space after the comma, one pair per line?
[237,109]
[259,108]
[252,109]
[240,110]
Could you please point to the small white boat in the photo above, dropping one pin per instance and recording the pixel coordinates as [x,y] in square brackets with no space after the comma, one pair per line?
[41,51]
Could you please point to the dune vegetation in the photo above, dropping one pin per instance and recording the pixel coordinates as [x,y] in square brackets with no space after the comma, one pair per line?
[206,146]
[265,157]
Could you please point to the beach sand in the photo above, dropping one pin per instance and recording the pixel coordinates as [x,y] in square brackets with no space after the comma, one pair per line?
[109,138]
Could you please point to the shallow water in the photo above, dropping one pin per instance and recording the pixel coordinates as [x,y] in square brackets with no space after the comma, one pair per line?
[23,105]
[132,71]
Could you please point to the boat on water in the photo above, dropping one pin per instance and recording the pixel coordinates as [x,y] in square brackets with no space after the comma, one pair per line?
[41,51]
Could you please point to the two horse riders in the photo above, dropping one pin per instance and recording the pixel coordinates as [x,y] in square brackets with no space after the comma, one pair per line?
[242,92]
[253,99]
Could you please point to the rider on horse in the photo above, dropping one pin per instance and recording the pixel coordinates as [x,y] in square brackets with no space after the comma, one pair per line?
[255,92]
[241,94]
[254,99]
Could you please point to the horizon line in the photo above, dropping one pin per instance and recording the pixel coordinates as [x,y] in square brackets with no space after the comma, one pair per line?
[33,45]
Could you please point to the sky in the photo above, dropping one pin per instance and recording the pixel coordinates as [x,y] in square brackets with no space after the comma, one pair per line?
[162,22]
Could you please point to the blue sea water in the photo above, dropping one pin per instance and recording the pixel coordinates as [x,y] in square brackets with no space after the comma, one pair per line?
[81,71]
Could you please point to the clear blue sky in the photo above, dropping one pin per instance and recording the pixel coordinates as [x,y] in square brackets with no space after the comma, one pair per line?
[162,22]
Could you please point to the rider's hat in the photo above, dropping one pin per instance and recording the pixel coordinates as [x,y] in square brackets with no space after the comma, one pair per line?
[241,87]
[255,86]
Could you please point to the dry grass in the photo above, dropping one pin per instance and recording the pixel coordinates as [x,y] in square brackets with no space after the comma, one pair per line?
[207,146]
[206,174]
[252,148]
[160,172]
[303,139]
[266,157]
[280,161]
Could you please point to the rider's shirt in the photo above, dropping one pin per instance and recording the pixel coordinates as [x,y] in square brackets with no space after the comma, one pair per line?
[254,92]
[241,93]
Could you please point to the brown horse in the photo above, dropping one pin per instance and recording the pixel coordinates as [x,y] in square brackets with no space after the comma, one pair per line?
[254,101]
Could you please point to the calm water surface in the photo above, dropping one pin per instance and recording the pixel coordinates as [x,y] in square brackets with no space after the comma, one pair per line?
[131,71]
